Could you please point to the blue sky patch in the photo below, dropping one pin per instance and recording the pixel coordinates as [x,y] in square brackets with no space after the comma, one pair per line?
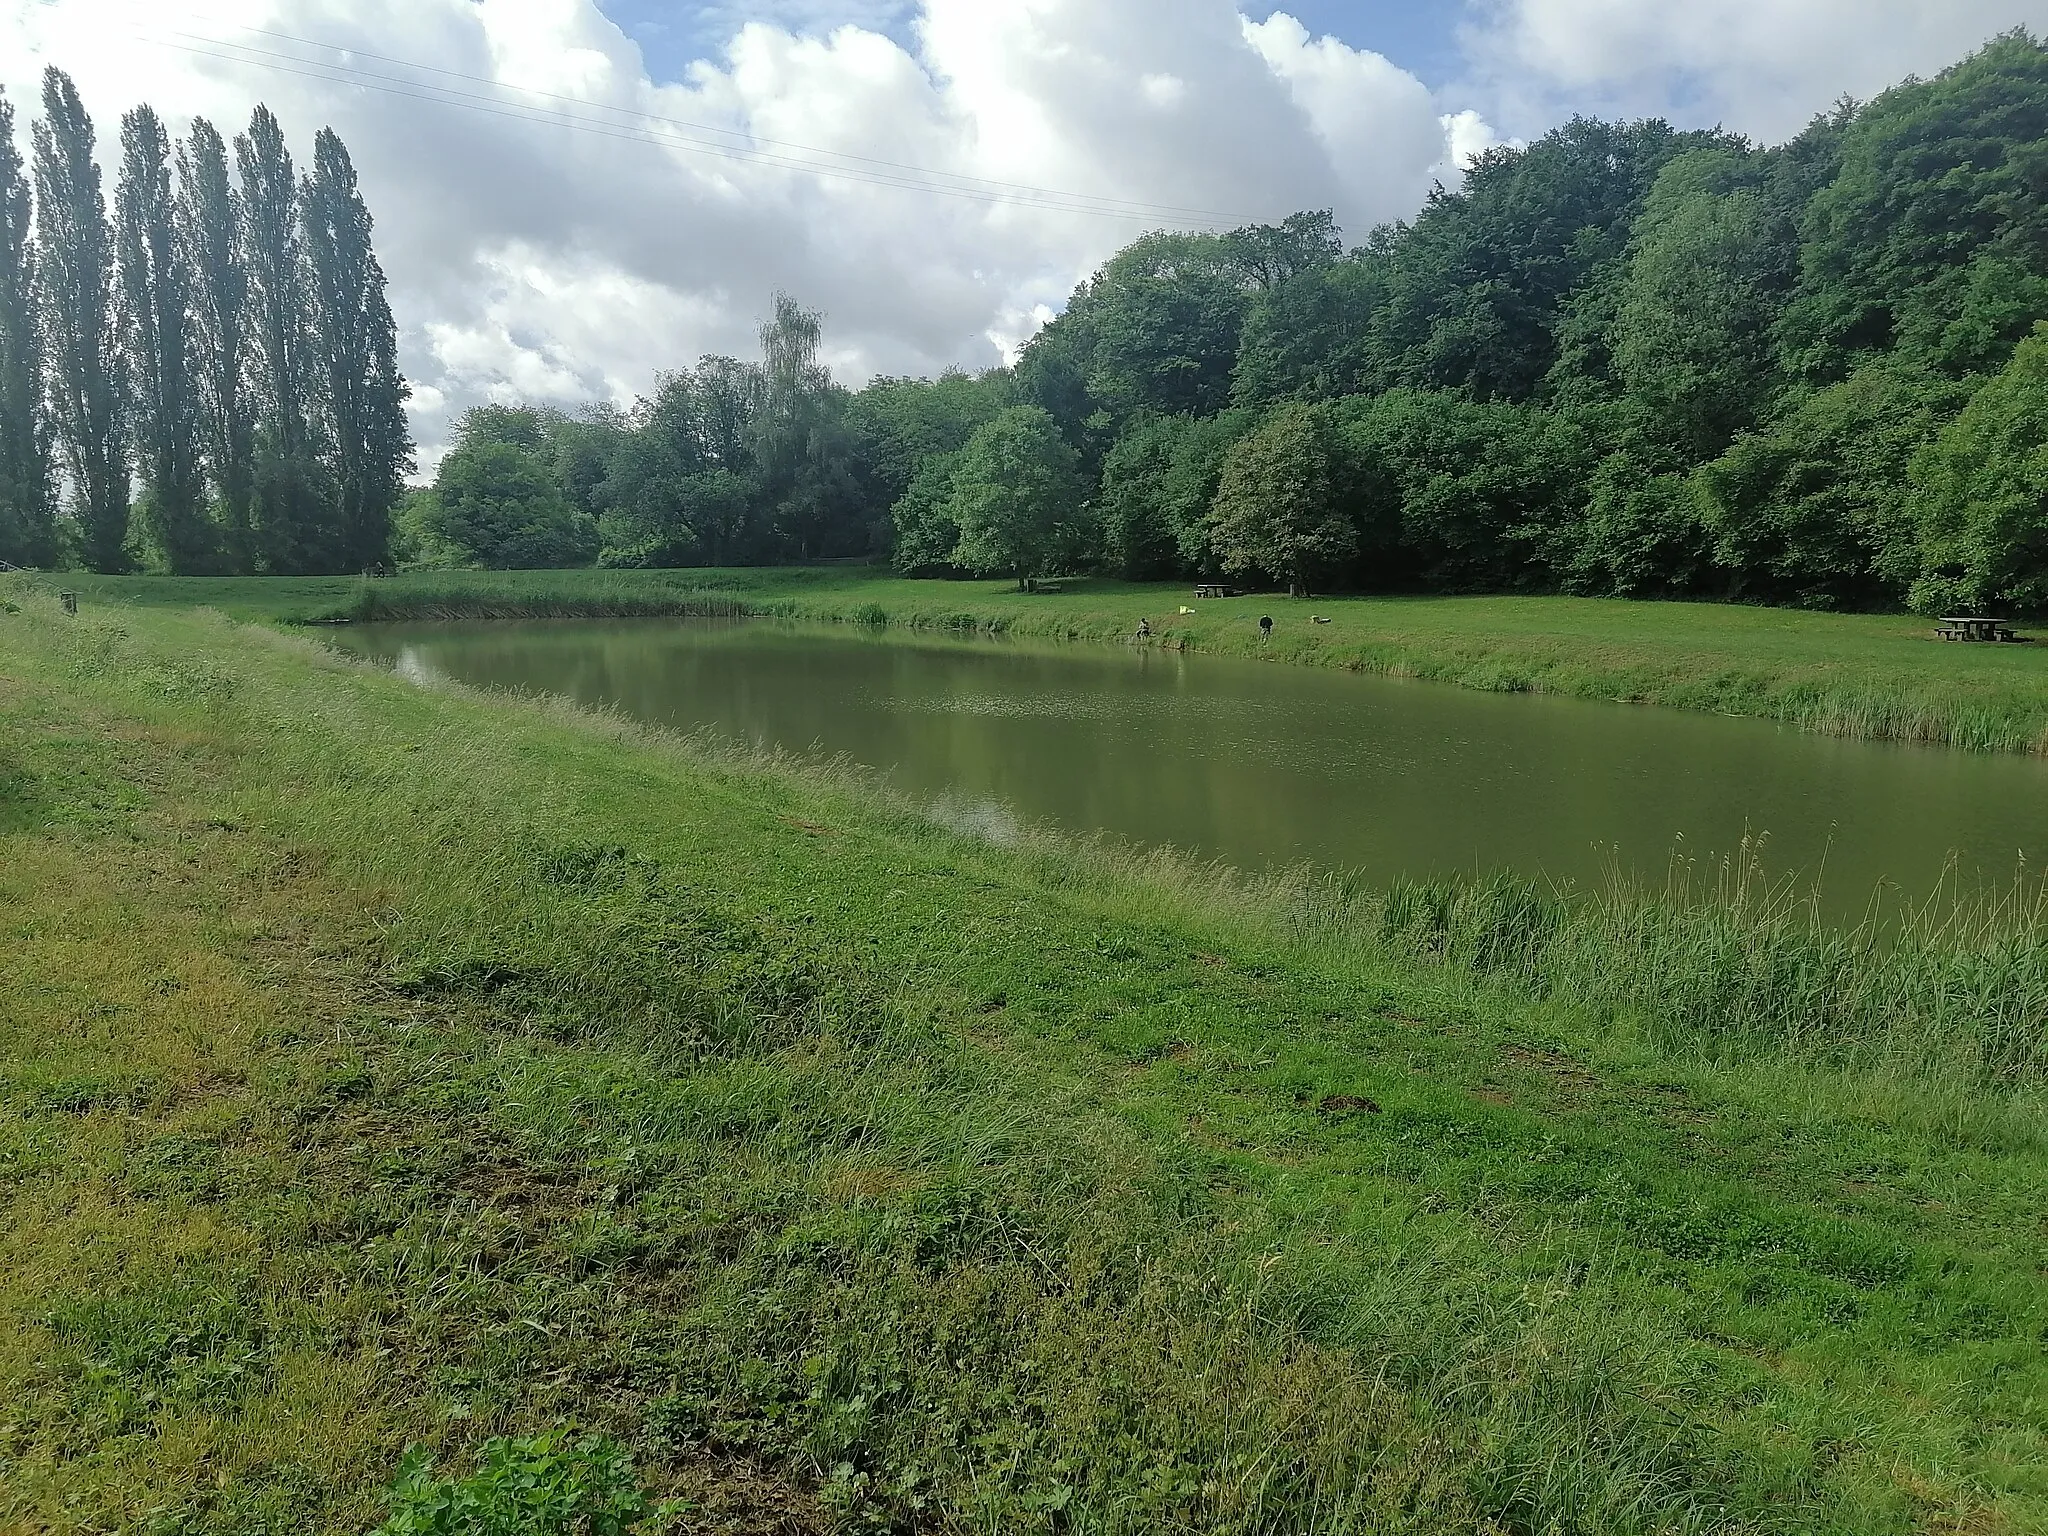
[1418,35]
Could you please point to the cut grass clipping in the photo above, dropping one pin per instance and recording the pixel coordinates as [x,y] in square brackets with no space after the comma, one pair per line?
[390,1068]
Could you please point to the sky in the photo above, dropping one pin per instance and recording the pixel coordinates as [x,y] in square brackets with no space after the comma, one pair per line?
[1421,36]
[575,195]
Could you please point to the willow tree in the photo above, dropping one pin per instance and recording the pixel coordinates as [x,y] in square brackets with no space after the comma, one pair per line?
[155,285]
[27,527]
[293,497]
[75,285]
[357,343]
[210,225]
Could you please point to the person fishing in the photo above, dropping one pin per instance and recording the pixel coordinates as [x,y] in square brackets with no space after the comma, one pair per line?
[1144,629]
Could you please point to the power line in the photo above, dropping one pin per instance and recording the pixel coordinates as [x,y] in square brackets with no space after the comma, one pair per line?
[670,133]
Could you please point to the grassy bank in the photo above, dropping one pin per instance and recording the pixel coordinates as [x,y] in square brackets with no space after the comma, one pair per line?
[1842,674]
[385,1066]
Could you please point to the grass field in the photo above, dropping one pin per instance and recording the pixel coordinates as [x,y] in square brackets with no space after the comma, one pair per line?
[383,1066]
[1842,674]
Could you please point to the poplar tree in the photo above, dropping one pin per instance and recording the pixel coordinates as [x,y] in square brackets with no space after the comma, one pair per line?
[75,284]
[357,341]
[155,286]
[27,528]
[210,224]
[292,493]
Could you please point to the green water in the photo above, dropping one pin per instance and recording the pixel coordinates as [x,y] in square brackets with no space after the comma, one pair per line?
[1266,765]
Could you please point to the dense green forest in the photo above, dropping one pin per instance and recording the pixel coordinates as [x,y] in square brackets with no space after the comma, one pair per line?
[1622,359]
[206,381]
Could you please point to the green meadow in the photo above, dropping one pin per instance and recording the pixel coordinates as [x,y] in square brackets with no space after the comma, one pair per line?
[384,1067]
[1867,675]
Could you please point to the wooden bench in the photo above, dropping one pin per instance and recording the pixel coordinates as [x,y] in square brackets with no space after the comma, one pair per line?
[1975,629]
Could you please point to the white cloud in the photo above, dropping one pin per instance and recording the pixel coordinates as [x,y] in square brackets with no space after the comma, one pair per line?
[532,258]
[1763,67]
[1375,122]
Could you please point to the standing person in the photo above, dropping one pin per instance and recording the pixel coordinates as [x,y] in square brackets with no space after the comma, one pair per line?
[1265,630]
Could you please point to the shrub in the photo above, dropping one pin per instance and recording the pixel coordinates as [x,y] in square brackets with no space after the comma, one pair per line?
[537,1485]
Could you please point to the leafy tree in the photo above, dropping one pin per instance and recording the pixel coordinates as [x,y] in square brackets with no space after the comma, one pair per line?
[1480,493]
[899,423]
[76,282]
[1268,255]
[1706,277]
[210,223]
[497,502]
[1310,335]
[801,446]
[584,448]
[1016,489]
[1999,300]
[1157,487]
[1137,533]
[1936,175]
[28,534]
[1812,508]
[1980,495]
[1052,374]
[926,534]
[1640,534]
[1278,509]
[1477,284]
[294,493]
[357,344]
[1161,321]
[682,482]
[155,285]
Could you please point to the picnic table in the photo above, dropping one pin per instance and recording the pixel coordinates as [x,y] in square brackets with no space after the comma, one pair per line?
[1969,629]
[1215,591]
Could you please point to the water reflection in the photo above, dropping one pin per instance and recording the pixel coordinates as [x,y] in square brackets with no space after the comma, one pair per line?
[1269,765]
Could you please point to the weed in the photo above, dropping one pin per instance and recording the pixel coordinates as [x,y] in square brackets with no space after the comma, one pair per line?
[553,1484]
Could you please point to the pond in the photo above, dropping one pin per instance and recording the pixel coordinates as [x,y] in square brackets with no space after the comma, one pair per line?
[1272,765]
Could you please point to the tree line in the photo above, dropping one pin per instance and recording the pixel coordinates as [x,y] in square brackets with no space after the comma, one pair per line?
[206,380]
[1623,359]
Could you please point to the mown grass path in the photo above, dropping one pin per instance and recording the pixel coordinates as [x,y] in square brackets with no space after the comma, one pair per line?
[1871,675]
[384,1065]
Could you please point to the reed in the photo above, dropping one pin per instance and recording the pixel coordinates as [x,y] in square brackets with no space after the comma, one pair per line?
[1732,963]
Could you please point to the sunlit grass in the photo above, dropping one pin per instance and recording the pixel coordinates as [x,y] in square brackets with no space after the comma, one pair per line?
[388,1064]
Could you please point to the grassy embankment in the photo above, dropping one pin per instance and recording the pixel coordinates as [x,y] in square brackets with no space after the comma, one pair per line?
[1843,674]
[383,1065]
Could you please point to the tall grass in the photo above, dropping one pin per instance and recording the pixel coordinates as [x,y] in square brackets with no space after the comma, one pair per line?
[1738,964]
[599,595]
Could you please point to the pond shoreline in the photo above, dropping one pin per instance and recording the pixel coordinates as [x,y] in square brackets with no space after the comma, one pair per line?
[1267,766]
[458,1058]
[1879,677]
